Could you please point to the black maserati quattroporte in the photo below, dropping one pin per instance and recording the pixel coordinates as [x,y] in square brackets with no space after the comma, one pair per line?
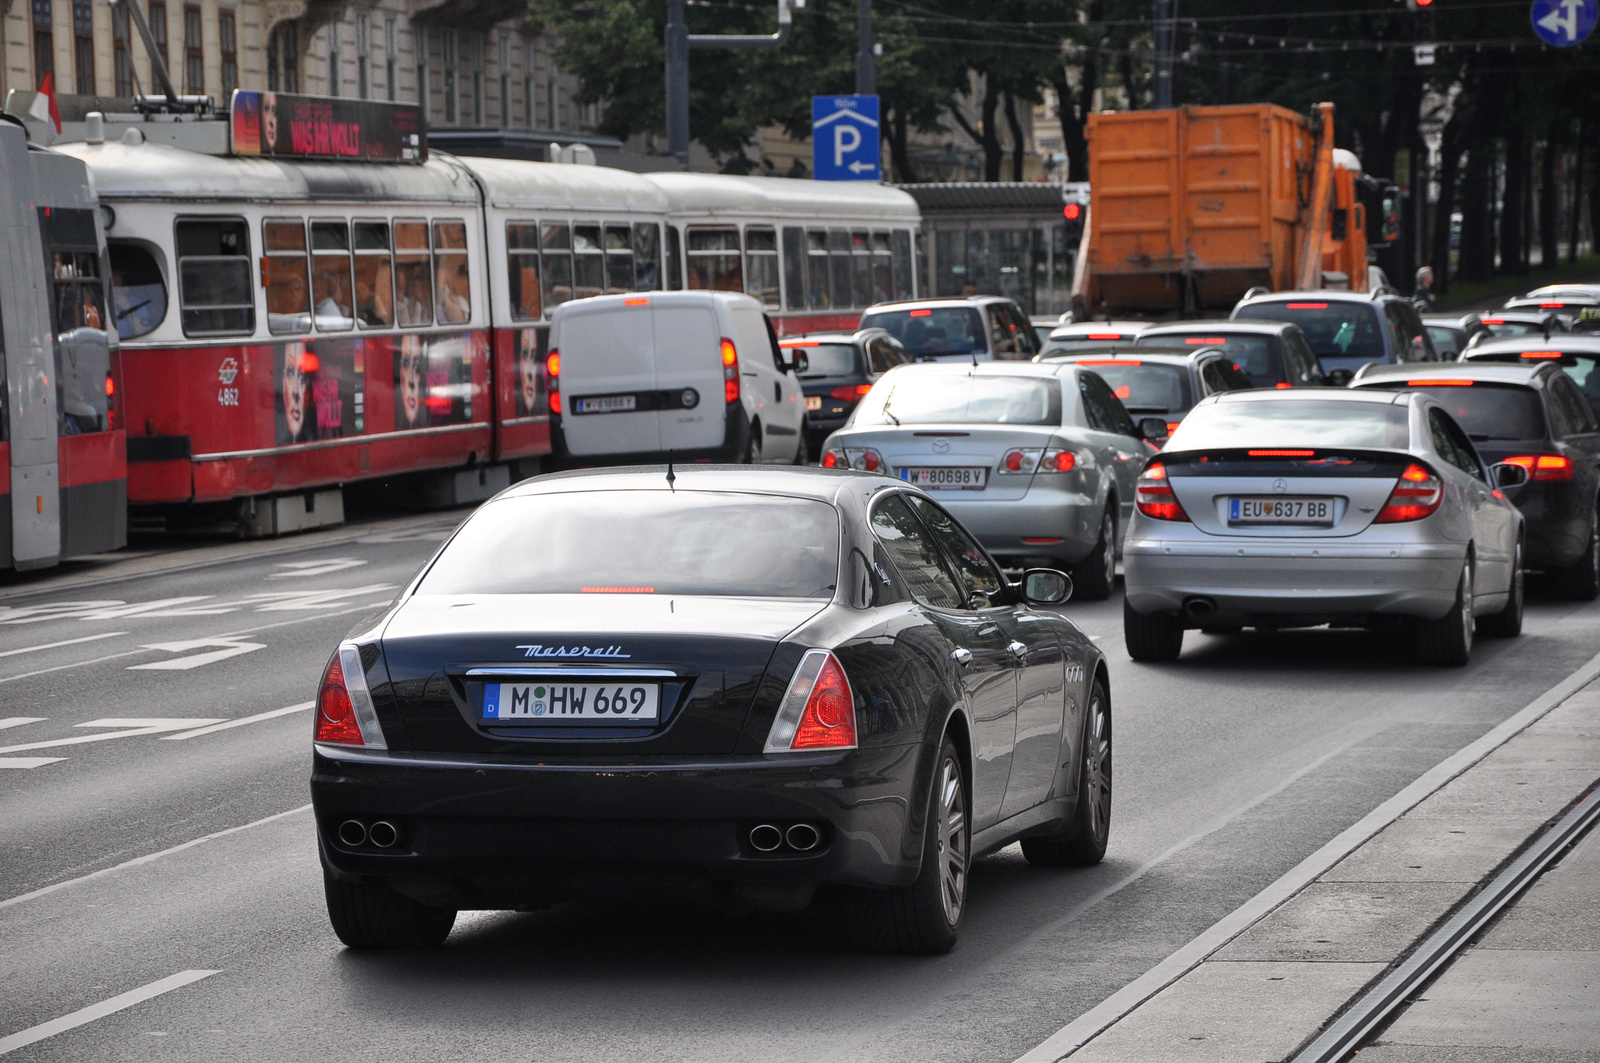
[742,681]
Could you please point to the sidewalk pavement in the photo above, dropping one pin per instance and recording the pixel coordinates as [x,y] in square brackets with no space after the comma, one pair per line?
[1527,990]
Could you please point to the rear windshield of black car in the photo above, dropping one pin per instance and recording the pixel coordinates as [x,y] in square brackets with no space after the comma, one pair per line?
[1335,329]
[1144,388]
[827,359]
[912,397]
[1292,423]
[644,542]
[932,331]
[1490,411]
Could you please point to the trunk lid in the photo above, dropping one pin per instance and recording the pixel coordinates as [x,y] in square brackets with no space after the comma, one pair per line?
[957,446]
[1358,483]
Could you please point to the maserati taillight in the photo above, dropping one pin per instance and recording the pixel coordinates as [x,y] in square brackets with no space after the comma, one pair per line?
[818,710]
[345,715]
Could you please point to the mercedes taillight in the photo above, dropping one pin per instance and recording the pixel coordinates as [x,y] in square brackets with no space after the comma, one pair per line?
[1416,494]
[1153,495]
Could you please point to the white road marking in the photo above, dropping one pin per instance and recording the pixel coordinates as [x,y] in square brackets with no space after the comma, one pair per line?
[228,648]
[63,642]
[18,721]
[112,609]
[127,727]
[257,718]
[149,857]
[24,763]
[281,601]
[307,569]
[99,1011]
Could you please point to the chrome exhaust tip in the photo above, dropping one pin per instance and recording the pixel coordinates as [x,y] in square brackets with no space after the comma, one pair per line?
[803,837]
[352,832]
[1199,606]
[383,834]
[765,838]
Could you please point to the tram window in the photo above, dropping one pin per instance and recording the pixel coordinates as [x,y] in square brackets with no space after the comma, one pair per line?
[588,262]
[817,282]
[412,273]
[861,268]
[452,280]
[794,268]
[522,254]
[619,258]
[674,260]
[331,303]
[714,260]
[839,252]
[646,257]
[214,290]
[900,251]
[79,299]
[882,269]
[374,274]
[761,264]
[138,292]
[555,248]
[284,275]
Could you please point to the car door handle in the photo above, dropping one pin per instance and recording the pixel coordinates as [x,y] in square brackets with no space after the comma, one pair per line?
[1019,650]
[961,656]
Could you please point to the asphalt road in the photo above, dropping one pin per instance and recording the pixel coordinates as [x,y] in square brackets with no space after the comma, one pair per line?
[1232,765]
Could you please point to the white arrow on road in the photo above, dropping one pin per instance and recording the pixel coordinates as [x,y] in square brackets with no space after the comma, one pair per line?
[226,648]
[126,727]
[306,569]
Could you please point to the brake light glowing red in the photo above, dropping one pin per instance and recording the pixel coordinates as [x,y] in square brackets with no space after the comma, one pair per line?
[1544,466]
[1417,494]
[1280,385]
[1438,382]
[1281,453]
[1105,335]
[1493,320]
[1124,392]
[829,719]
[1552,306]
[1205,341]
[850,392]
[1308,306]
[921,313]
[552,364]
[1153,495]
[801,343]
[1109,361]
[111,388]
[1541,354]
[730,372]
[1172,426]
[833,459]
[1059,461]
[1013,461]
[635,302]
[336,713]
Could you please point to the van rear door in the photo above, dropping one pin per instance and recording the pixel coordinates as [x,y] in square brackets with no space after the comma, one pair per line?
[688,365]
[608,380]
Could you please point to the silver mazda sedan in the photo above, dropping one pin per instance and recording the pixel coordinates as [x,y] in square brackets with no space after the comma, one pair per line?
[1292,508]
[1038,460]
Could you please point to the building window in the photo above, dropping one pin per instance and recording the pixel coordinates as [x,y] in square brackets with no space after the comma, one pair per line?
[333,59]
[550,110]
[420,33]
[477,79]
[363,55]
[83,45]
[505,80]
[527,81]
[228,38]
[452,56]
[44,41]
[194,56]
[157,16]
[121,56]
[283,58]
[391,52]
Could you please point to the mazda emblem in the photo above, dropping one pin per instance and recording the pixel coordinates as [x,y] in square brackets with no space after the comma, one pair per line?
[941,446]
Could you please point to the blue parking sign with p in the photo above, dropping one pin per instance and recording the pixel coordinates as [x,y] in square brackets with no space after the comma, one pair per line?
[845,144]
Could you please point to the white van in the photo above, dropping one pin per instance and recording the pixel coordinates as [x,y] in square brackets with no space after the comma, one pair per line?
[699,374]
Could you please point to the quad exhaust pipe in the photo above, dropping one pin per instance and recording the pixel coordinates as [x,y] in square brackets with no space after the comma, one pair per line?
[799,837]
[353,832]
[802,837]
[381,835]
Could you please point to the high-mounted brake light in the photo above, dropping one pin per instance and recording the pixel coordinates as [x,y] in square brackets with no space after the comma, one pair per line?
[1308,306]
[1541,354]
[1552,306]
[730,372]
[818,710]
[1205,341]
[1416,494]
[1153,495]
[1438,382]
[1493,320]
[921,313]
[345,715]
[800,343]
[1109,361]
[1280,453]
[1280,385]
[635,302]
[1105,335]
[1543,466]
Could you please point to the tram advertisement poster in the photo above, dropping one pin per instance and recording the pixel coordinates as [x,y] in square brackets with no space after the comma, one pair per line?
[530,379]
[433,379]
[324,127]
[321,391]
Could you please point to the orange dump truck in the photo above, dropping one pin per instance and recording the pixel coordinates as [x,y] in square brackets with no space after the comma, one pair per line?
[1191,208]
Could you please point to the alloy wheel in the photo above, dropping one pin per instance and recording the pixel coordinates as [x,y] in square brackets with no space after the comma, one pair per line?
[1108,533]
[1469,623]
[952,842]
[1097,770]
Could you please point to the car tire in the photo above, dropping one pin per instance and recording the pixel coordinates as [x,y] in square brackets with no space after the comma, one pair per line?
[1084,845]
[1151,638]
[802,454]
[1580,581]
[373,916]
[1507,623]
[924,918]
[1094,577]
[752,449]
[1447,641]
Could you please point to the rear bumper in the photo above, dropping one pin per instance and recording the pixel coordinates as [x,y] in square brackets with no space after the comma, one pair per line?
[1045,512]
[506,834]
[1303,581]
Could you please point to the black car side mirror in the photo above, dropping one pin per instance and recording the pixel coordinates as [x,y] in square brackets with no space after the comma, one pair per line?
[1340,378]
[1152,428]
[1046,586]
[1509,475]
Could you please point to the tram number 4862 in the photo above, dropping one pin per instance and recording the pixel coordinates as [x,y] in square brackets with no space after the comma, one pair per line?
[227,396]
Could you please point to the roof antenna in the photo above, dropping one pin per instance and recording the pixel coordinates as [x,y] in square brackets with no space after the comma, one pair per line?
[672,477]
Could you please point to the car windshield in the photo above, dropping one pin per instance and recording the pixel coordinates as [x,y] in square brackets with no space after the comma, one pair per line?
[932,331]
[1144,388]
[827,359]
[1489,411]
[1502,327]
[909,397]
[1079,344]
[1252,354]
[1446,340]
[1292,423]
[1335,329]
[643,542]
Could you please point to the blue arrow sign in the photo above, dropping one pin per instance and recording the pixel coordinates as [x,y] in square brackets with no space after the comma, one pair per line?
[1564,23]
[845,145]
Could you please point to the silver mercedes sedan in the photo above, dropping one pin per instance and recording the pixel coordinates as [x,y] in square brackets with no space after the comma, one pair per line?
[1279,509]
[1038,460]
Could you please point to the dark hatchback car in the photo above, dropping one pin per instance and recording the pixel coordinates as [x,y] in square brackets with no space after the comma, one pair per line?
[738,684]
[1162,382]
[1273,354]
[840,369]
[1347,330]
[1533,417]
[1577,354]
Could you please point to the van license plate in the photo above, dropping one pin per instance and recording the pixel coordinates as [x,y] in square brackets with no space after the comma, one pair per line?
[561,702]
[947,479]
[606,404]
[1307,512]
[813,403]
